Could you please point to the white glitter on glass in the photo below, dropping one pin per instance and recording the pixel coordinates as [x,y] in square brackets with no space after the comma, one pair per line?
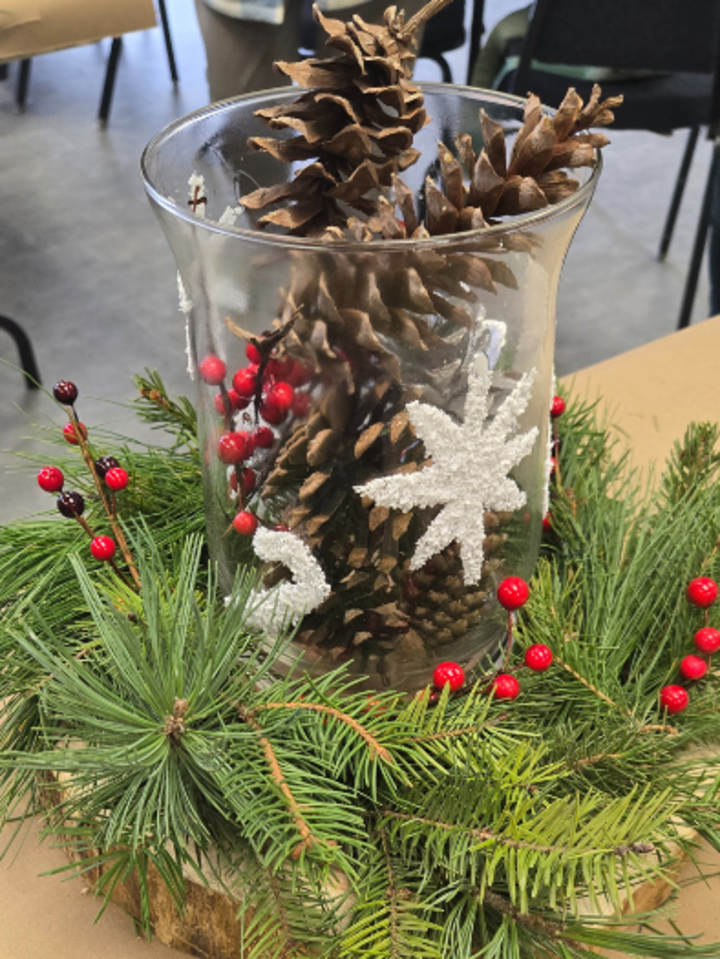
[469,472]
[289,602]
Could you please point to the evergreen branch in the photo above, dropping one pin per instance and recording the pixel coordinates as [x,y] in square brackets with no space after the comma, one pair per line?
[376,748]
[307,840]
[593,689]
[454,733]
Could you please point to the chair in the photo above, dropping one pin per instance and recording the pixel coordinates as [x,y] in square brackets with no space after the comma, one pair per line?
[50,25]
[678,44]
[28,363]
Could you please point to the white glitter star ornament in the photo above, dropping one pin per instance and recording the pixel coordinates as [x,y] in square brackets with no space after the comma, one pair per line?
[469,471]
[288,603]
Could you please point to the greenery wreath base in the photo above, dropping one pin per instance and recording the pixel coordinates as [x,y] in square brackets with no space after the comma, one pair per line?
[148,728]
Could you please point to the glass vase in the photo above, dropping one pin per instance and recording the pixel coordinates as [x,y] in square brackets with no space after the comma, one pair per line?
[373,416]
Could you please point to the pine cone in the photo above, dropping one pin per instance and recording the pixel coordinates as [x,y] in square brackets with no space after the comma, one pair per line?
[357,121]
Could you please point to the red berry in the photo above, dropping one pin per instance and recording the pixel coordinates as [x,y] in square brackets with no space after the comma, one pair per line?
[451,674]
[538,657]
[248,480]
[553,465]
[51,479]
[513,593]
[674,698]
[253,354]
[299,375]
[212,369]
[245,523]
[234,402]
[547,522]
[273,414]
[233,447]
[65,392]
[70,432]
[506,686]
[558,406]
[702,592]
[280,396]
[103,547]
[707,640]
[245,382]
[263,437]
[117,478]
[693,667]
[301,404]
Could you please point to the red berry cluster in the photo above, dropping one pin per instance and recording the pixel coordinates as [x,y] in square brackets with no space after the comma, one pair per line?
[701,592]
[272,383]
[512,594]
[108,474]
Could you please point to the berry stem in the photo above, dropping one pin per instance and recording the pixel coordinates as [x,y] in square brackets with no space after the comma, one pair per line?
[109,510]
[509,646]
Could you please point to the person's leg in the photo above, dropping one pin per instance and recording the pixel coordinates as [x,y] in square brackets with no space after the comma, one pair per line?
[240,53]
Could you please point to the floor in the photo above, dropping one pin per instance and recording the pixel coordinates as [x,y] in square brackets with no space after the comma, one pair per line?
[85,268]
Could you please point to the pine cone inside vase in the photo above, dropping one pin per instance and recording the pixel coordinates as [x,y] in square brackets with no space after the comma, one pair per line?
[380,328]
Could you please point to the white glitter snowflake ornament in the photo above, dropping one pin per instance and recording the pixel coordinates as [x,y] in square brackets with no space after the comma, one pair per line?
[289,602]
[469,471]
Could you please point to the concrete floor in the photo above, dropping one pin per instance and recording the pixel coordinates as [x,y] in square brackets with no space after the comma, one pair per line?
[85,268]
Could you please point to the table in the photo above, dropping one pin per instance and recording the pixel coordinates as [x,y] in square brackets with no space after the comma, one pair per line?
[651,393]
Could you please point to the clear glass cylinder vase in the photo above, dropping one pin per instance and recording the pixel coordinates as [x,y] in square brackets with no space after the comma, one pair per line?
[374,416]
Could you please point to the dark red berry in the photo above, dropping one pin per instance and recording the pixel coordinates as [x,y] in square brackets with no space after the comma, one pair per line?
[513,593]
[245,382]
[253,354]
[506,686]
[104,464]
[707,640]
[280,395]
[263,437]
[245,523]
[301,404]
[273,414]
[103,548]
[702,592]
[212,369]
[248,481]
[674,698]
[299,375]
[70,432]
[71,504]
[558,406]
[538,657]
[233,447]
[280,369]
[693,667]
[234,402]
[51,479]
[117,478]
[65,392]
[450,674]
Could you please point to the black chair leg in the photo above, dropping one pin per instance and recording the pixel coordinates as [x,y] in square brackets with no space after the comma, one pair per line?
[678,193]
[477,29]
[699,245]
[109,85]
[27,354]
[444,66]
[22,85]
[168,41]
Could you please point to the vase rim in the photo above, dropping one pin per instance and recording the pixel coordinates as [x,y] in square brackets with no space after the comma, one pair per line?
[528,221]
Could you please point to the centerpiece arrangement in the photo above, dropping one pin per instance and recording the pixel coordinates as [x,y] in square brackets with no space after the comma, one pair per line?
[371,292]
[293,654]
